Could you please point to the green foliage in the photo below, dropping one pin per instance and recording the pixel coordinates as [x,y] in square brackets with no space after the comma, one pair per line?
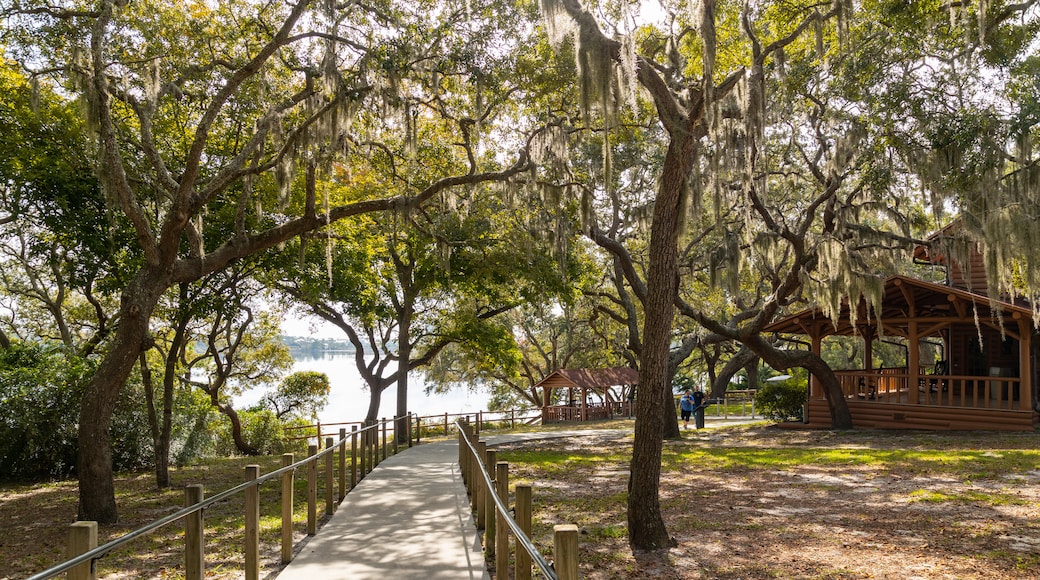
[302,393]
[261,428]
[40,390]
[782,400]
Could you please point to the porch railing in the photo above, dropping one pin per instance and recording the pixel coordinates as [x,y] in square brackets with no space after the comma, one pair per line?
[895,385]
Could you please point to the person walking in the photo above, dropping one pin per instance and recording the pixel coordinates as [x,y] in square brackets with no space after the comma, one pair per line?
[686,407]
[698,407]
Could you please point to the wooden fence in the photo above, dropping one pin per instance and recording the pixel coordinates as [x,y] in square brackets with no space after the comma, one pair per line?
[487,482]
[366,450]
[428,425]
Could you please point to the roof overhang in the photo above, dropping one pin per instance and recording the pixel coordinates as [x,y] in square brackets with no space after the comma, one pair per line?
[903,299]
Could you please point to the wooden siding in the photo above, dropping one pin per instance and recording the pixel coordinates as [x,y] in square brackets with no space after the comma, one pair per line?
[878,415]
[972,277]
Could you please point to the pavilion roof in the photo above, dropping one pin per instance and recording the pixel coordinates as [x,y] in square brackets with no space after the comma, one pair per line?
[590,378]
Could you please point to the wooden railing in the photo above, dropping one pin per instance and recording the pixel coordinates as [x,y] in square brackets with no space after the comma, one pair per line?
[969,391]
[489,498]
[366,452]
[429,425]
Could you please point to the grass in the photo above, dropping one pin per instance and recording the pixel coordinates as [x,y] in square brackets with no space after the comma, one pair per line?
[759,502]
[36,517]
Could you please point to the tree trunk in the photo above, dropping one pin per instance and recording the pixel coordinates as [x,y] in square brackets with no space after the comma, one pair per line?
[646,529]
[236,430]
[375,397]
[404,348]
[97,500]
[841,418]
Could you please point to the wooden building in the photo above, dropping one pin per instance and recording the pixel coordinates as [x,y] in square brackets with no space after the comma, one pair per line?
[592,394]
[970,362]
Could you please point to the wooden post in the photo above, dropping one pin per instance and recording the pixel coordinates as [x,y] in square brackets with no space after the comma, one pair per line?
[287,508]
[478,485]
[194,545]
[82,538]
[398,433]
[501,527]
[523,519]
[330,482]
[363,441]
[342,463]
[490,459]
[384,438]
[445,424]
[512,418]
[462,459]
[565,548]
[353,456]
[252,531]
[312,491]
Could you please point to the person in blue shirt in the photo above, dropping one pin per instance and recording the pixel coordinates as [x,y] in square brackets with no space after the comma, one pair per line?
[686,407]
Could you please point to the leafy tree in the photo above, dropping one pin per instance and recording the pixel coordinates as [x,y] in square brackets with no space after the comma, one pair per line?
[743,116]
[303,393]
[214,130]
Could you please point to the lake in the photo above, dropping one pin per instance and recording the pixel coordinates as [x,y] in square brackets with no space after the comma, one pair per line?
[349,397]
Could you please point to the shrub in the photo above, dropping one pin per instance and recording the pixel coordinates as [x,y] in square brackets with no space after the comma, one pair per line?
[782,400]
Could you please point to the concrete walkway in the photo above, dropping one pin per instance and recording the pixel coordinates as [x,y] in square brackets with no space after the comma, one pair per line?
[408,518]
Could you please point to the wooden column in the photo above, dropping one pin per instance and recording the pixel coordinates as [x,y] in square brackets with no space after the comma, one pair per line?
[913,361]
[501,527]
[816,338]
[1025,370]
[868,348]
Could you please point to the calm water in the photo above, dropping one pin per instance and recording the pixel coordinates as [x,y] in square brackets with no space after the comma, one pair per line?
[349,398]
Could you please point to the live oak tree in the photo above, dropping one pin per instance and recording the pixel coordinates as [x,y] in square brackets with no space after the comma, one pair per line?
[231,111]
[709,98]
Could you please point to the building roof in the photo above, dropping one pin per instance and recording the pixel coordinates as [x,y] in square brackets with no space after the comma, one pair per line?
[590,378]
[904,299]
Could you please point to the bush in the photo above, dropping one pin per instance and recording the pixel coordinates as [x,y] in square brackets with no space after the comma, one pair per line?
[782,400]
[260,428]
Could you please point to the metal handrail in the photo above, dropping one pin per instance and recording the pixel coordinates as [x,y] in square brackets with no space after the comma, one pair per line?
[500,507]
[104,549]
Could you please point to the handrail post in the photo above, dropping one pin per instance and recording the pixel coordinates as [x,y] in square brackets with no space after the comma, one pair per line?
[522,571]
[501,527]
[287,508]
[330,491]
[363,441]
[418,428]
[565,547]
[312,491]
[464,461]
[384,439]
[342,463]
[194,550]
[353,456]
[399,430]
[490,459]
[82,538]
[478,500]
[252,532]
